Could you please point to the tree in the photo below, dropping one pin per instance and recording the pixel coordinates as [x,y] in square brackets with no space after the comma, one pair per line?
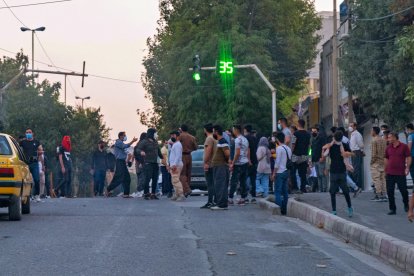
[283,46]
[375,67]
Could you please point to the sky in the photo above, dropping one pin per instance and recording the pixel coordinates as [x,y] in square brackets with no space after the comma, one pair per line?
[109,35]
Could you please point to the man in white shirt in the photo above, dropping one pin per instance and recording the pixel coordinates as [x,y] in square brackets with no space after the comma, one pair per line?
[176,165]
[357,147]
[281,173]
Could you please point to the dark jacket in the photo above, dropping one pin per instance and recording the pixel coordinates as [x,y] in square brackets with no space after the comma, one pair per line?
[151,149]
[317,143]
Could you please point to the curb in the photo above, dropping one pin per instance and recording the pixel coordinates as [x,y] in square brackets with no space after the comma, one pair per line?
[269,206]
[393,250]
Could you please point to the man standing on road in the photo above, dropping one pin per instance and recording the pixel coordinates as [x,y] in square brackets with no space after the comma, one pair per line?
[98,168]
[357,147]
[410,131]
[239,166]
[166,176]
[300,156]
[176,165]
[151,152]
[252,170]
[281,173]
[318,141]
[221,172]
[397,164]
[121,171]
[337,151]
[189,145]
[283,126]
[378,146]
[209,148]
[30,147]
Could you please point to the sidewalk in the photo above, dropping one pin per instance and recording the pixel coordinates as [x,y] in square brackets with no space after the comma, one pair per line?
[370,214]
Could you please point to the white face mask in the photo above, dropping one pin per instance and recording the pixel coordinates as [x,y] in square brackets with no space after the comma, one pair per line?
[350,129]
[273,139]
[381,133]
[155,136]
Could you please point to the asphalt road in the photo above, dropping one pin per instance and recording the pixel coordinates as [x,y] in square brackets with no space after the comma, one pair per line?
[135,237]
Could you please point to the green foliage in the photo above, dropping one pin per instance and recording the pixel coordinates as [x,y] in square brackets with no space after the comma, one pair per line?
[378,65]
[38,107]
[278,36]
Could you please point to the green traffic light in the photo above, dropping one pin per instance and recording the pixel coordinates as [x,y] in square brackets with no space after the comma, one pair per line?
[197,76]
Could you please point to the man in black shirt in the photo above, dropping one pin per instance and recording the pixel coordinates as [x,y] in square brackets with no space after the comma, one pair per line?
[337,151]
[300,149]
[318,141]
[30,147]
[252,169]
[98,168]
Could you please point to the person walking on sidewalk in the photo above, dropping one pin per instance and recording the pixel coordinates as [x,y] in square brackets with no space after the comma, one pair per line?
[252,169]
[281,173]
[209,148]
[151,152]
[318,141]
[98,168]
[300,148]
[189,144]
[378,146]
[397,164]
[263,155]
[337,151]
[121,171]
[357,147]
[221,173]
[176,165]
[239,166]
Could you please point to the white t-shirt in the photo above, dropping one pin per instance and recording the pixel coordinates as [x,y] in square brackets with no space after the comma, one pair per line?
[281,158]
[242,144]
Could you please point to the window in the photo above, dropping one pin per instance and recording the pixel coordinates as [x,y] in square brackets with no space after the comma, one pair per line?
[5,148]
[197,155]
[19,149]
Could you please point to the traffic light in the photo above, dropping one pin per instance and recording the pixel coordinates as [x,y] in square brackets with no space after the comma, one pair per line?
[197,68]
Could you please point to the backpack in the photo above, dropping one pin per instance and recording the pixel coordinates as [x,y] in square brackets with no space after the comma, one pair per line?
[289,163]
[137,155]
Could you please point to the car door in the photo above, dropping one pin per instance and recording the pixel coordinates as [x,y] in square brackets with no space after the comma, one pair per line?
[23,167]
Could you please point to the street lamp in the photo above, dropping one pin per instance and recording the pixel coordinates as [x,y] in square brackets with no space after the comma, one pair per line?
[84,98]
[40,29]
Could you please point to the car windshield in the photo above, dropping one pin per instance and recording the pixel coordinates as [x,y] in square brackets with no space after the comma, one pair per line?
[197,155]
[4,146]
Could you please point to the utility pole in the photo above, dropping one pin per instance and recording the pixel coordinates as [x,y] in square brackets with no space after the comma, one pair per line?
[335,67]
[266,81]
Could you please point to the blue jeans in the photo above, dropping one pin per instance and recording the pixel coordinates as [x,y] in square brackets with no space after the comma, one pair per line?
[262,184]
[99,181]
[34,170]
[281,190]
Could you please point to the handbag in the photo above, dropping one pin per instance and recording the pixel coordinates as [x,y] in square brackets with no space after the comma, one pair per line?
[289,163]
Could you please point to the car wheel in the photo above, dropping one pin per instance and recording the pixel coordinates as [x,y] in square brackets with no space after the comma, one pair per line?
[15,208]
[26,206]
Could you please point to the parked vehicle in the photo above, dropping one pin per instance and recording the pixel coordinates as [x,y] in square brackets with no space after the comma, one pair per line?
[15,179]
[198,179]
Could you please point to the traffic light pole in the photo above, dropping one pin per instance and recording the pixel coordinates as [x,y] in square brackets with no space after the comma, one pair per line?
[266,81]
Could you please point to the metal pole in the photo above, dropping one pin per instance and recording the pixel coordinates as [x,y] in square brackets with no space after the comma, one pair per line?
[82,102]
[335,68]
[33,33]
[65,89]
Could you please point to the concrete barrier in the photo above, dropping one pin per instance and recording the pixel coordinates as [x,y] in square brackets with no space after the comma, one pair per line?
[393,250]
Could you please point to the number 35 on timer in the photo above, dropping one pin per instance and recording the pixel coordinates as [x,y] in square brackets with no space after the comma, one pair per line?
[226,67]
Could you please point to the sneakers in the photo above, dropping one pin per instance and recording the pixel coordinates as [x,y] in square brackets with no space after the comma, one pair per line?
[208,205]
[350,212]
[241,202]
[392,212]
[376,198]
[246,201]
[357,192]
[147,196]
[154,196]
[180,198]
[334,213]
[230,201]
[217,208]
[253,201]
[126,196]
[383,199]
[174,197]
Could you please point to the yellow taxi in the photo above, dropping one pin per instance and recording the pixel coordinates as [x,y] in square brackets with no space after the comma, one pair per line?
[15,179]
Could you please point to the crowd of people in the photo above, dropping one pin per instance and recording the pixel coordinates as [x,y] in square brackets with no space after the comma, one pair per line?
[292,160]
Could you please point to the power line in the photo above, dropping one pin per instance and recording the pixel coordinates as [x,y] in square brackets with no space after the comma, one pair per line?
[384,17]
[34,4]
[70,70]
[15,16]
